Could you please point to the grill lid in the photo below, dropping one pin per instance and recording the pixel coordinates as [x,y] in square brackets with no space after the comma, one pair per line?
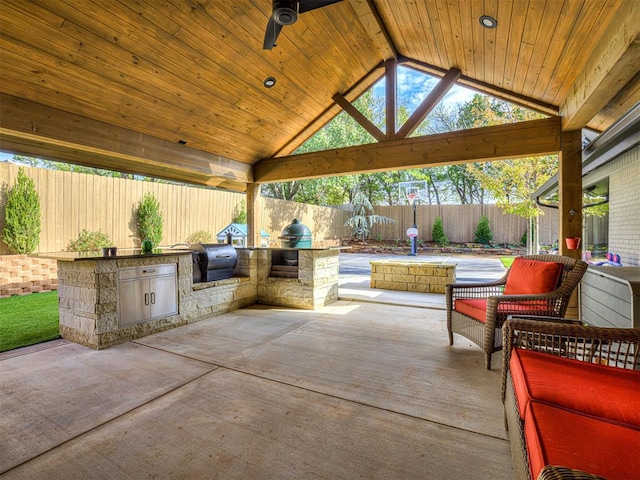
[296,231]
[215,256]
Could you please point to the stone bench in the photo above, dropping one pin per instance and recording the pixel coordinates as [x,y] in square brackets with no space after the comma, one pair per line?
[412,276]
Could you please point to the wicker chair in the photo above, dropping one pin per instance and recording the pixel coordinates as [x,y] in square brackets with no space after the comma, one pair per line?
[487,335]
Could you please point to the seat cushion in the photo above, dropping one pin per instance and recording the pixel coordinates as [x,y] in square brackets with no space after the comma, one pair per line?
[472,307]
[532,277]
[476,308]
[555,436]
[597,390]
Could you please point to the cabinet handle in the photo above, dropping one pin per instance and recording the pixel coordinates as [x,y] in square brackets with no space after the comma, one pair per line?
[146,299]
[153,298]
[153,270]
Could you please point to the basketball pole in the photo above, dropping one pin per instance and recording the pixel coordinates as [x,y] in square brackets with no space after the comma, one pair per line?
[414,248]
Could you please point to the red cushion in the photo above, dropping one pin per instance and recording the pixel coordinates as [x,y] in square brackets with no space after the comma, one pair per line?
[472,307]
[532,276]
[555,436]
[598,390]
[477,308]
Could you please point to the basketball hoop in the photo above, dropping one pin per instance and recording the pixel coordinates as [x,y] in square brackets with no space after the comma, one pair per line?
[411,197]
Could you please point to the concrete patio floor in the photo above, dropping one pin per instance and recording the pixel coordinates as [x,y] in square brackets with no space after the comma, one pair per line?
[352,390]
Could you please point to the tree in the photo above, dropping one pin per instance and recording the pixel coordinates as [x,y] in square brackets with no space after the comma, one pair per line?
[240,214]
[150,219]
[21,230]
[483,232]
[362,217]
[437,233]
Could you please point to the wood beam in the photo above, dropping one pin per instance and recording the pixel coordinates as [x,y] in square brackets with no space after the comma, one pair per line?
[391,96]
[613,63]
[31,129]
[370,19]
[357,115]
[536,137]
[436,94]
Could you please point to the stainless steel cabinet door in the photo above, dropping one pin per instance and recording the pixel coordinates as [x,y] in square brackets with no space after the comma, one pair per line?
[163,296]
[134,301]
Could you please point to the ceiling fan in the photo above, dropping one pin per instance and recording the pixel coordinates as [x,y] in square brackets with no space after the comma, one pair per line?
[285,12]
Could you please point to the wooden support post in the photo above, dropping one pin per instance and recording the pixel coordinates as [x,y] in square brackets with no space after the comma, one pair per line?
[570,191]
[570,201]
[254,215]
[391,92]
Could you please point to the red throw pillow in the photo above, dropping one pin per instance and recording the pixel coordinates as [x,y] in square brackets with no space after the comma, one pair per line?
[532,277]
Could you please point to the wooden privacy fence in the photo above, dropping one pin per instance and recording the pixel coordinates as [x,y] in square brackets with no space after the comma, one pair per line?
[461,221]
[71,202]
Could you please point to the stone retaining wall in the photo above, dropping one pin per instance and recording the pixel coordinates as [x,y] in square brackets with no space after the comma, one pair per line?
[411,276]
[22,274]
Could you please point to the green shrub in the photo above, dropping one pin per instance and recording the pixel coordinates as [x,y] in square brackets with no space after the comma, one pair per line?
[150,219]
[437,233]
[21,230]
[483,232]
[201,236]
[89,241]
[240,214]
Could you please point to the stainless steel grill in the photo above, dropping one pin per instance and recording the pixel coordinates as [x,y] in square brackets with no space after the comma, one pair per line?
[213,261]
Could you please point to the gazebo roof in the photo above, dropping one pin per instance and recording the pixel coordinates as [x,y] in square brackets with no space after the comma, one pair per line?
[175,89]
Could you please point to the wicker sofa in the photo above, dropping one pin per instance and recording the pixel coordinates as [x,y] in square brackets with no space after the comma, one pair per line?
[572,399]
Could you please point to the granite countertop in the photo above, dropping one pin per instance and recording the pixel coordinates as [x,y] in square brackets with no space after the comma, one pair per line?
[120,254]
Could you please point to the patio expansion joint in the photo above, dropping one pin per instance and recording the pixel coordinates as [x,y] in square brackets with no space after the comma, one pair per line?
[106,422]
[364,404]
[221,366]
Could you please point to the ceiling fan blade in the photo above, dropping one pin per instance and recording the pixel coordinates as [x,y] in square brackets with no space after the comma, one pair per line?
[270,36]
[308,5]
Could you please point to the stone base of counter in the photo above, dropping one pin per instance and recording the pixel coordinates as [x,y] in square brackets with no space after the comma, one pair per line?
[88,298]
[410,276]
[316,285]
[88,293]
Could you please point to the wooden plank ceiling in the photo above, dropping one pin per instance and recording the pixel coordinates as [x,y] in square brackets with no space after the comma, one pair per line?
[174,88]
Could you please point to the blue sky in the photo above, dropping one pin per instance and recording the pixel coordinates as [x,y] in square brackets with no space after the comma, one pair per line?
[414,86]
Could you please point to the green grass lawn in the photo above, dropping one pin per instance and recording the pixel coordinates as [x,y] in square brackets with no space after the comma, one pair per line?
[29,319]
[507,261]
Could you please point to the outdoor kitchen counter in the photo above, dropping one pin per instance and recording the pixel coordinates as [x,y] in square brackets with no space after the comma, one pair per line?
[125,253]
[96,293]
[105,300]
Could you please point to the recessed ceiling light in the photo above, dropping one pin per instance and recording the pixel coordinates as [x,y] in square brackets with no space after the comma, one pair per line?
[488,22]
[269,82]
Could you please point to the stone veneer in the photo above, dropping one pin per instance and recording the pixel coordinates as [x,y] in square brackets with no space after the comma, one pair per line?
[21,275]
[316,285]
[88,300]
[88,292]
[409,276]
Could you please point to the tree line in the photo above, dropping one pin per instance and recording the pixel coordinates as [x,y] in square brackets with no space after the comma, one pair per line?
[508,183]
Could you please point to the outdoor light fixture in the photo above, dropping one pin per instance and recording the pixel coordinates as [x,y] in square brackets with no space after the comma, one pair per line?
[269,82]
[488,22]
